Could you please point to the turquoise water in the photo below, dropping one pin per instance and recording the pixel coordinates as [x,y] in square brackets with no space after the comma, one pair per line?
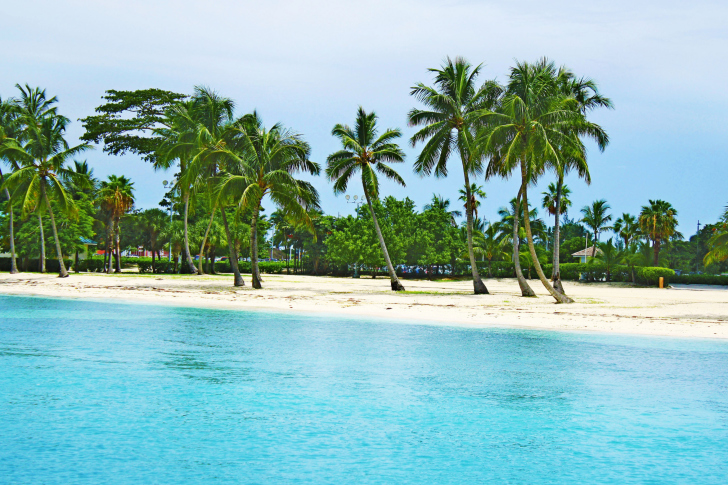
[95,392]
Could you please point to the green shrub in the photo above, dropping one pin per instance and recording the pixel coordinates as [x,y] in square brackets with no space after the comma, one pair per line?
[95,265]
[700,279]
[270,267]
[651,276]
[51,264]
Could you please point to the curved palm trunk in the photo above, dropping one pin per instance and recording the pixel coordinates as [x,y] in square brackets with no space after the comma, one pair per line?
[204,241]
[13,264]
[478,285]
[396,284]
[556,272]
[109,246]
[62,273]
[238,279]
[526,289]
[117,246]
[254,248]
[42,245]
[527,223]
[186,248]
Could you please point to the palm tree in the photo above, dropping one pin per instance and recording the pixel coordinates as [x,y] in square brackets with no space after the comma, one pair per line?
[536,126]
[610,256]
[718,242]
[586,97]
[116,196]
[454,109]
[7,131]
[511,226]
[627,227]
[631,257]
[557,196]
[476,193]
[439,202]
[153,223]
[267,160]
[596,218]
[658,221]
[363,151]
[490,243]
[41,153]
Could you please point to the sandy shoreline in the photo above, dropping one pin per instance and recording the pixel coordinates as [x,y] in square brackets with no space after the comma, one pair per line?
[600,307]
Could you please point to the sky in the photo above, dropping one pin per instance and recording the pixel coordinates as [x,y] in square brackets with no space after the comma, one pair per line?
[311,64]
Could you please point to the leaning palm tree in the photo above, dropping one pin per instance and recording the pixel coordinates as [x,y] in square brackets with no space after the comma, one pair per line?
[535,127]
[264,162]
[597,219]
[511,227]
[41,154]
[454,108]
[8,127]
[116,196]
[441,203]
[658,221]
[367,152]
[627,227]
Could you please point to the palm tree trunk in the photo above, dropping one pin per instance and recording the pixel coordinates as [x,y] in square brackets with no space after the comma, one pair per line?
[186,248]
[42,245]
[254,248]
[527,223]
[396,284]
[13,264]
[238,279]
[109,245]
[204,240]
[62,273]
[154,269]
[117,246]
[555,272]
[656,252]
[478,285]
[594,246]
[526,289]
[75,262]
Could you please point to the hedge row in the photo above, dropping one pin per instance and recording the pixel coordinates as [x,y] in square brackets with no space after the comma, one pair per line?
[33,264]
[700,279]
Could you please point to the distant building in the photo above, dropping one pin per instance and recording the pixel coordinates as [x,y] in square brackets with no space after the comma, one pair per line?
[586,254]
[87,252]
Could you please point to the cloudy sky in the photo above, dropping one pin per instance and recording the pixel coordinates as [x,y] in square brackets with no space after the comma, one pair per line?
[310,64]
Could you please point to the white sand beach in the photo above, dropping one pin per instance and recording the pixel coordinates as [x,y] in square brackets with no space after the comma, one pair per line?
[600,307]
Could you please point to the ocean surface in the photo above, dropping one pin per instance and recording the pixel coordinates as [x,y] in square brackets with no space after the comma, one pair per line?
[94,392]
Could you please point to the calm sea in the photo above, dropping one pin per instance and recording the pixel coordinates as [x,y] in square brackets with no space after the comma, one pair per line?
[94,392]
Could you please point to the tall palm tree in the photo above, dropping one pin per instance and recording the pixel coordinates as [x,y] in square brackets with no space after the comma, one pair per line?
[476,194]
[7,131]
[267,162]
[610,256]
[439,202]
[557,196]
[658,221]
[596,218]
[586,97]
[42,154]
[367,152]
[627,227]
[116,195]
[535,127]
[454,109]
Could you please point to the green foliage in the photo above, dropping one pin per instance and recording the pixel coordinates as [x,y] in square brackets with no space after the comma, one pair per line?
[700,279]
[651,275]
[126,116]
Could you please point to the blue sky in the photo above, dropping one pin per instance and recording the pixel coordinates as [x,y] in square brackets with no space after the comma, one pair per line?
[310,64]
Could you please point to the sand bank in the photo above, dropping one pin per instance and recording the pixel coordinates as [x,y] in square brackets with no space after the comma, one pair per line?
[601,307]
